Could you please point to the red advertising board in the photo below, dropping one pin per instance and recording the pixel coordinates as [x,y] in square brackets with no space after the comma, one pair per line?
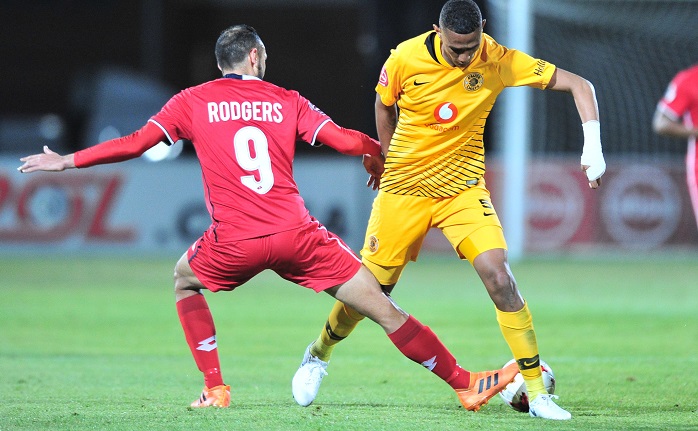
[640,206]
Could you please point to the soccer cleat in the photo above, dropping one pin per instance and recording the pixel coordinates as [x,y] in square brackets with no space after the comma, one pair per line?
[544,407]
[306,382]
[217,396]
[486,384]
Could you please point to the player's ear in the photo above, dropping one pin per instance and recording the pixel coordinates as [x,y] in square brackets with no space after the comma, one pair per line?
[484,21]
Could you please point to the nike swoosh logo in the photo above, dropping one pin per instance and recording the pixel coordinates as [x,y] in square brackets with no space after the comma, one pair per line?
[420,83]
[528,363]
[487,214]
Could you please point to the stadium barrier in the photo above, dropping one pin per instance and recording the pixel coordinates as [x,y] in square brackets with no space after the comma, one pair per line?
[158,208]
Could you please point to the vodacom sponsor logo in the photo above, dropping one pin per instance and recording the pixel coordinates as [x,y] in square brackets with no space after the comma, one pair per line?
[445,112]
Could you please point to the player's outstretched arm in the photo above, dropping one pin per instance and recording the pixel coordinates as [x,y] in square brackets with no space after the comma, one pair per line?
[348,141]
[354,143]
[386,122]
[592,161]
[112,151]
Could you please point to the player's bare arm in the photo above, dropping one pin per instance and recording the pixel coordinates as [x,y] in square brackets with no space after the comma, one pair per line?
[592,162]
[582,91]
[386,122]
[666,126]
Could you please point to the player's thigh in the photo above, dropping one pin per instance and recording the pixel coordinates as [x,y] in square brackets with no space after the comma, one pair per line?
[396,229]
[470,223]
[483,239]
[184,277]
[225,266]
[387,276]
[313,257]
[363,294]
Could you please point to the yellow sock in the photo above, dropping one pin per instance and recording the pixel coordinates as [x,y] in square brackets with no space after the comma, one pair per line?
[517,328]
[341,321]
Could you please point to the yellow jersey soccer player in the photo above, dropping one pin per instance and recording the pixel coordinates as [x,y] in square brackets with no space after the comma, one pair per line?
[434,94]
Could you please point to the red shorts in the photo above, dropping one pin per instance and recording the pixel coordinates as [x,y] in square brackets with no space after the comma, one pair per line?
[309,255]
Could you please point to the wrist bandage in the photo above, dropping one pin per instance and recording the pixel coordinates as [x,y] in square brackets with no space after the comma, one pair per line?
[592,155]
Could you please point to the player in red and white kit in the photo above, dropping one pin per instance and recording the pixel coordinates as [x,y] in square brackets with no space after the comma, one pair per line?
[244,131]
[677,115]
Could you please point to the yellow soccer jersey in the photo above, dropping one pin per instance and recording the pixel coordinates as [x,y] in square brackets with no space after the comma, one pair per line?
[437,148]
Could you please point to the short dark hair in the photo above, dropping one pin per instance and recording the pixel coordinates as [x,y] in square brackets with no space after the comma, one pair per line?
[460,16]
[235,43]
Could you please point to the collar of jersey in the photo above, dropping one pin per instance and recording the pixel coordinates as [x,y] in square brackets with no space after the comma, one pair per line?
[243,77]
[437,50]
[442,60]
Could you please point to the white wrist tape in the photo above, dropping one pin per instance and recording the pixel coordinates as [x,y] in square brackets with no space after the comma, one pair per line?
[592,154]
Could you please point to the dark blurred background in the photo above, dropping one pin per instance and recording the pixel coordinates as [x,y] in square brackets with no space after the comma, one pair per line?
[65,62]
[75,72]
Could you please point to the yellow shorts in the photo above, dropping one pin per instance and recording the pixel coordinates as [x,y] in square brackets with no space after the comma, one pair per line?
[399,224]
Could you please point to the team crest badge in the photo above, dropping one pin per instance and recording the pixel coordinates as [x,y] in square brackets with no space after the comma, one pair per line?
[315,108]
[473,81]
[373,244]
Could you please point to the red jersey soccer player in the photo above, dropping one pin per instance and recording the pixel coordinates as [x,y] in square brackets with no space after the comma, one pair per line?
[677,115]
[244,131]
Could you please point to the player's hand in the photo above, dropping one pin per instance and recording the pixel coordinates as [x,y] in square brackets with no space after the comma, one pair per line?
[595,183]
[592,161]
[374,165]
[46,161]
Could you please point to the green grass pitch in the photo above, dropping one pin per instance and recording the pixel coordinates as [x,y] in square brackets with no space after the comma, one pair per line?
[95,344]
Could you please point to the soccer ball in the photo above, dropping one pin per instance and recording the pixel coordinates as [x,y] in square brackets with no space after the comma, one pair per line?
[515,393]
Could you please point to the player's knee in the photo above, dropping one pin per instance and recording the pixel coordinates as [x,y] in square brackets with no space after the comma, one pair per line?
[184,279]
[502,280]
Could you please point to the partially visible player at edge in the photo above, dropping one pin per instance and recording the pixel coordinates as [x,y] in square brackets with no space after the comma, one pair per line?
[435,92]
[244,131]
[677,116]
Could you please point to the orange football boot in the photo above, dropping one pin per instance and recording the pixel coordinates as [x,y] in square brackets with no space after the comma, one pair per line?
[217,396]
[486,384]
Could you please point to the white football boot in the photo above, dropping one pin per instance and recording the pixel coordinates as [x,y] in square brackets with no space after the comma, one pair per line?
[306,382]
[544,407]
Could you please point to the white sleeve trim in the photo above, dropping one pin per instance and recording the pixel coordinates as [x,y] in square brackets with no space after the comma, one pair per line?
[318,131]
[169,138]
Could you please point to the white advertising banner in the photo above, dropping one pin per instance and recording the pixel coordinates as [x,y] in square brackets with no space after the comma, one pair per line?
[143,207]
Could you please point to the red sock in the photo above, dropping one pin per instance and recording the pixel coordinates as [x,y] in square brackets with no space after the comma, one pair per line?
[421,345]
[200,333]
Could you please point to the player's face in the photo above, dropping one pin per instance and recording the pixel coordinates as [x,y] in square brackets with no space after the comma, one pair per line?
[459,49]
